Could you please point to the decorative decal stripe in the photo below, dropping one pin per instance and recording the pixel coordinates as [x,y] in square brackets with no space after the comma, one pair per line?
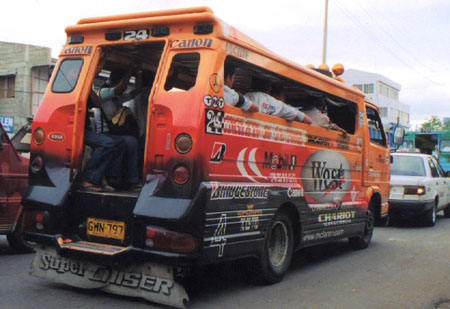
[230,236]
[260,130]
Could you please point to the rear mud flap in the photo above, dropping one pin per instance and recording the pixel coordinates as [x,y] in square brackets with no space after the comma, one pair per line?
[154,282]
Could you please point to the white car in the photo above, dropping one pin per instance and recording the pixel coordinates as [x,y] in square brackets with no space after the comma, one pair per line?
[419,188]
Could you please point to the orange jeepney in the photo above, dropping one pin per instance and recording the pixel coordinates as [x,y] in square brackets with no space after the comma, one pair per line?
[218,183]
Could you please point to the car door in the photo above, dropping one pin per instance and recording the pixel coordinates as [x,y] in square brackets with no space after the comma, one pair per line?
[439,181]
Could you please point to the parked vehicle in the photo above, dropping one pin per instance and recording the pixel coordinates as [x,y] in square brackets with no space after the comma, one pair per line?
[219,183]
[13,183]
[419,188]
[435,143]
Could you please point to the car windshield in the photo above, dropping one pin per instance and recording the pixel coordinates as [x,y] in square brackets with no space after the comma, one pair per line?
[407,166]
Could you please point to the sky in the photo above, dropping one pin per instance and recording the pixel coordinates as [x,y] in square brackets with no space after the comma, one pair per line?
[403,40]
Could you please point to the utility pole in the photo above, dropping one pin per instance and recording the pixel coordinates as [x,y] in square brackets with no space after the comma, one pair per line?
[324,50]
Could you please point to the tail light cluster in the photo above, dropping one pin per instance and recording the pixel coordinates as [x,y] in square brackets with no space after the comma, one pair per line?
[165,240]
[34,221]
[183,145]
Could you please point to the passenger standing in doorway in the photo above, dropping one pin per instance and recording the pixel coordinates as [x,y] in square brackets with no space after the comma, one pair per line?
[113,95]
[105,150]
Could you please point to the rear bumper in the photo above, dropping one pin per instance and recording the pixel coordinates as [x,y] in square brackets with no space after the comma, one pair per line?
[127,256]
[408,207]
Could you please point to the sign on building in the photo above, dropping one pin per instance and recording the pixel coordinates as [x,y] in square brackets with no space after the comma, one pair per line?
[7,123]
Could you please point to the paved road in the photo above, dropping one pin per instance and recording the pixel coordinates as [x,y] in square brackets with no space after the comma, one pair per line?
[405,267]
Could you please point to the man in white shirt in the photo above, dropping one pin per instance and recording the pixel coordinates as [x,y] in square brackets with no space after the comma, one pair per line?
[232,97]
[315,111]
[271,106]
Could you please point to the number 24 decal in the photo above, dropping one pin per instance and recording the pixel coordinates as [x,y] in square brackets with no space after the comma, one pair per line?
[135,35]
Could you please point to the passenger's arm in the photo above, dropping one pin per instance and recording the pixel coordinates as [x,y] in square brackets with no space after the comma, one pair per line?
[306,119]
[120,88]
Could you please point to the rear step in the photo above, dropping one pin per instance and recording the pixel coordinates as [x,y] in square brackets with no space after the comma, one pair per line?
[114,193]
[91,247]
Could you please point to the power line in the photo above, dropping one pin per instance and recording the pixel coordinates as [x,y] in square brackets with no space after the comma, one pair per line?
[364,29]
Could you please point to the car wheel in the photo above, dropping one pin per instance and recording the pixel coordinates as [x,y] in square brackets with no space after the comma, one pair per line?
[16,241]
[447,211]
[430,217]
[278,249]
[362,242]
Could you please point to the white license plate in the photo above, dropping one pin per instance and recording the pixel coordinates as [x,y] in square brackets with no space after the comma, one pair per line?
[396,193]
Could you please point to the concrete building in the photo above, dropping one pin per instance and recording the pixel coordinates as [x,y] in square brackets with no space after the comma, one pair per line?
[24,74]
[382,92]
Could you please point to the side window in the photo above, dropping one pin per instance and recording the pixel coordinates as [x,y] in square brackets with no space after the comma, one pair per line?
[434,171]
[183,72]
[67,75]
[375,127]
[439,168]
[250,79]
[444,145]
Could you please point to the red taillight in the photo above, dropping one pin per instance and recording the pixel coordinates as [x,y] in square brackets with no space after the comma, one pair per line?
[37,164]
[181,174]
[33,221]
[165,240]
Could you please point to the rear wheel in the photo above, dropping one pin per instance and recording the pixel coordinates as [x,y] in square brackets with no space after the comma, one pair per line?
[278,248]
[16,241]
[430,217]
[362,242]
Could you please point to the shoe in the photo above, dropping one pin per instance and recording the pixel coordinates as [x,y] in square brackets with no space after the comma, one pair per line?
[90,187]
[107,188]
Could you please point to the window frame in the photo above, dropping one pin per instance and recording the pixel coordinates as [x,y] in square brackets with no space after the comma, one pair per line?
[59,70]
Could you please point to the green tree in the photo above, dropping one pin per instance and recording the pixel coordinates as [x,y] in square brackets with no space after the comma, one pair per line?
[446,125]
[434,124]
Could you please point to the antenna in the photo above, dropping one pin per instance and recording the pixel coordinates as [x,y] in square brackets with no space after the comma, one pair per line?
[324,50]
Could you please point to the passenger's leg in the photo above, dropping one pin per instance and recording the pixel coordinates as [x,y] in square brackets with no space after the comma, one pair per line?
[104,149]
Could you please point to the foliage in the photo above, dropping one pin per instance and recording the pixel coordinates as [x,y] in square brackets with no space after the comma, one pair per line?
[434,124]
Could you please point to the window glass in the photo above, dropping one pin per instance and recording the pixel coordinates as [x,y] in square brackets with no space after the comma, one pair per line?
[359,86]
[444,146]
[439,168]
[375,127]
[368,88]
[434,171]
[407,166]
[7,86]
[183,72]
[67,75]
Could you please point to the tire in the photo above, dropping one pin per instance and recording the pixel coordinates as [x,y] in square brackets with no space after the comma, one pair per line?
[278,249]
[362,242]
[447,211]
[429,219]
[16,241]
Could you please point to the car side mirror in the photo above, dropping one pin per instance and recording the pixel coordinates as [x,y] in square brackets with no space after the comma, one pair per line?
[399,135]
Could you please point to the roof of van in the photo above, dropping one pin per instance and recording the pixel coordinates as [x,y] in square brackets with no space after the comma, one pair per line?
[196,15]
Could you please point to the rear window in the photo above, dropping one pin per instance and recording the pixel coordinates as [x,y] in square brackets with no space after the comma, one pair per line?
[183,72]
[407,166]
[67,75]
[444,146]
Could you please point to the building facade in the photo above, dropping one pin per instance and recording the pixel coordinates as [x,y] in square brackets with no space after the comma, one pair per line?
[382,92]
[24,74]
